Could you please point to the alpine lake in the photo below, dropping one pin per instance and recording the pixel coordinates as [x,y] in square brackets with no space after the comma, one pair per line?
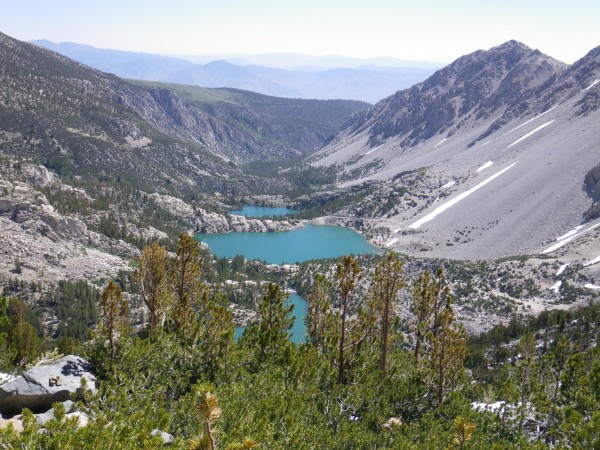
[287,247]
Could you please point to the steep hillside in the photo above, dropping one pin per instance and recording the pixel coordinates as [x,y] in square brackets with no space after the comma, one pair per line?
[246,126]
[366,83]
[79,121]
[487,158]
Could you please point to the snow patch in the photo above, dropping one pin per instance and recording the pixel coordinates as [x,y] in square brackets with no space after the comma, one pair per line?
[568,239]
[529,134]
[590,86]
[441,142]
[561,269]
[569,233]
[530,120]
[440,209]
[593,261]
[485,166]
[392,242]
[5,377]
[485,143]
[491,407]
[449,184]
[556,287]
[373,149]
[591,286]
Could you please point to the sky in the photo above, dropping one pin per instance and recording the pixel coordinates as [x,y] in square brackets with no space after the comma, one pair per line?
[424,30]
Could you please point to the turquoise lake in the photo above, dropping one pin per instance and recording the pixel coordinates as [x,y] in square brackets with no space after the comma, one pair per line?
[298,329]
[299,245]
[262,211]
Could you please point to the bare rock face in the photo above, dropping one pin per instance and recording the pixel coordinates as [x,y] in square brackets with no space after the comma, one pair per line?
[41,386]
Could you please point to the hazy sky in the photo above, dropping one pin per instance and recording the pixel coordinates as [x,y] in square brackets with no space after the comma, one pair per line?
[426,30]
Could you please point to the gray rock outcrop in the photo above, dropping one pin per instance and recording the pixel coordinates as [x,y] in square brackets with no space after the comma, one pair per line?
[40,387]
[166,437]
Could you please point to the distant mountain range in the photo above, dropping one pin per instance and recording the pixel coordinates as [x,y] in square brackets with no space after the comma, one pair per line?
[312,78]
[501,140]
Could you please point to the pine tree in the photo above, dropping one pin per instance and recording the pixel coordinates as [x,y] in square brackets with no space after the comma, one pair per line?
[7,350]
[319,317]
[186,272]
[446,352]
[152,279]
[347,276]
[114,310]
[208,411]
[216,333]
[387,282]
[426,305]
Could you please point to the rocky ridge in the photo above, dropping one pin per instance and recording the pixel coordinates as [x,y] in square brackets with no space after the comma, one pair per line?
[503,140]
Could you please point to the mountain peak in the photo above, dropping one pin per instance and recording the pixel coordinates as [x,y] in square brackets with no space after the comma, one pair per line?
[511,45]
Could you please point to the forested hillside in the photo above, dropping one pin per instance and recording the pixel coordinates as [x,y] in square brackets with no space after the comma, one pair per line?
[363,379]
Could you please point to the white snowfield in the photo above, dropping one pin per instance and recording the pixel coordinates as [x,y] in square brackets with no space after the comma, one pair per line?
[593,261]
[5,377]
[529,134]
[449,184]
[440,209]
[485,166]
[568,237]
[491,407]
[441,142]
[556,286]
[591,286]
[590,86]
[530,120]
[392,242]
[373,149]
[569,233]
[561,269]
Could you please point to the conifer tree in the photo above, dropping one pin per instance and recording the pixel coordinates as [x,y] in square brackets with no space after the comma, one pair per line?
[7,351]
[347,276]
[319,318]
[386,284]
[446,352]
[114,309]
[274,322]
[186,286]
[152,279]
[216,332]
[208,411]
[426,305]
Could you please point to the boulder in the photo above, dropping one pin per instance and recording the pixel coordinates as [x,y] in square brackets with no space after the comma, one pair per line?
[166,437]
[40,387]
[17,424]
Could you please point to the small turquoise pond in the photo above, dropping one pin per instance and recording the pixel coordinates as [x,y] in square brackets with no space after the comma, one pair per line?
[298,329]
[299,245]
[262,211]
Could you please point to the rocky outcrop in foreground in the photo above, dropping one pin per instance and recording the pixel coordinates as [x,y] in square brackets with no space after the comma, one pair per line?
[40,387]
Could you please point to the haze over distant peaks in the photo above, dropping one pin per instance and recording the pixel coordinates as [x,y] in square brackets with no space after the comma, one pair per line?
[282,75]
